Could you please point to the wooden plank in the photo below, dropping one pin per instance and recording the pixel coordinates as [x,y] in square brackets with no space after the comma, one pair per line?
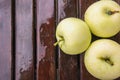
[46,69]
[68,65]
[83,5]
[5,40]
[24,40]
[117,37]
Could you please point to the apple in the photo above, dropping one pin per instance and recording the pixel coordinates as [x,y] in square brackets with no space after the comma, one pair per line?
[103,18]
[73,36]
[102,59]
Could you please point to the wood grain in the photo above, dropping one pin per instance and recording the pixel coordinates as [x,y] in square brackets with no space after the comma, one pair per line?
[46,64]
[5,40]
[68,68]
[24,40]
[51,63]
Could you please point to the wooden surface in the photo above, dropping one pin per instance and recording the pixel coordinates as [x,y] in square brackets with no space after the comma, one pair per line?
[84,4]
[27,35]
[24,40]
[68,67]
[5,40]
[46,63]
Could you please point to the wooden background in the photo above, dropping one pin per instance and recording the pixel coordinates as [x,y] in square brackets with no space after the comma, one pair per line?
[27,35]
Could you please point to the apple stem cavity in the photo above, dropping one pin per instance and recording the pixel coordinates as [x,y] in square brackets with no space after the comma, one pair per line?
[112,12]
[107,60]
[61,39]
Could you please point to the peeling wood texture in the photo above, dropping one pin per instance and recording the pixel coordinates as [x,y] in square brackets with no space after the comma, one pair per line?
[24,40]
[46,69]
[27,35]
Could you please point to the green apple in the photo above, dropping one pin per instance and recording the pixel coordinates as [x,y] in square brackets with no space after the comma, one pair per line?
[103,18]
[73,36]
[102,59]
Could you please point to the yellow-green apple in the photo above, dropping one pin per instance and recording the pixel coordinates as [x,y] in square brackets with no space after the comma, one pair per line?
[102,59]
[103,18]
[73,36]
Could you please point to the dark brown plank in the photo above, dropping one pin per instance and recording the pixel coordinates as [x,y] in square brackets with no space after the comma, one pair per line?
[68,65]
[24,44]
[5,40]
[83,5]
[117,37]
[45,40]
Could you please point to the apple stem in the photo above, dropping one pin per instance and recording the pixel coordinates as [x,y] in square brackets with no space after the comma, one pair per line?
[107,60]
[56,43]
[112,12]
